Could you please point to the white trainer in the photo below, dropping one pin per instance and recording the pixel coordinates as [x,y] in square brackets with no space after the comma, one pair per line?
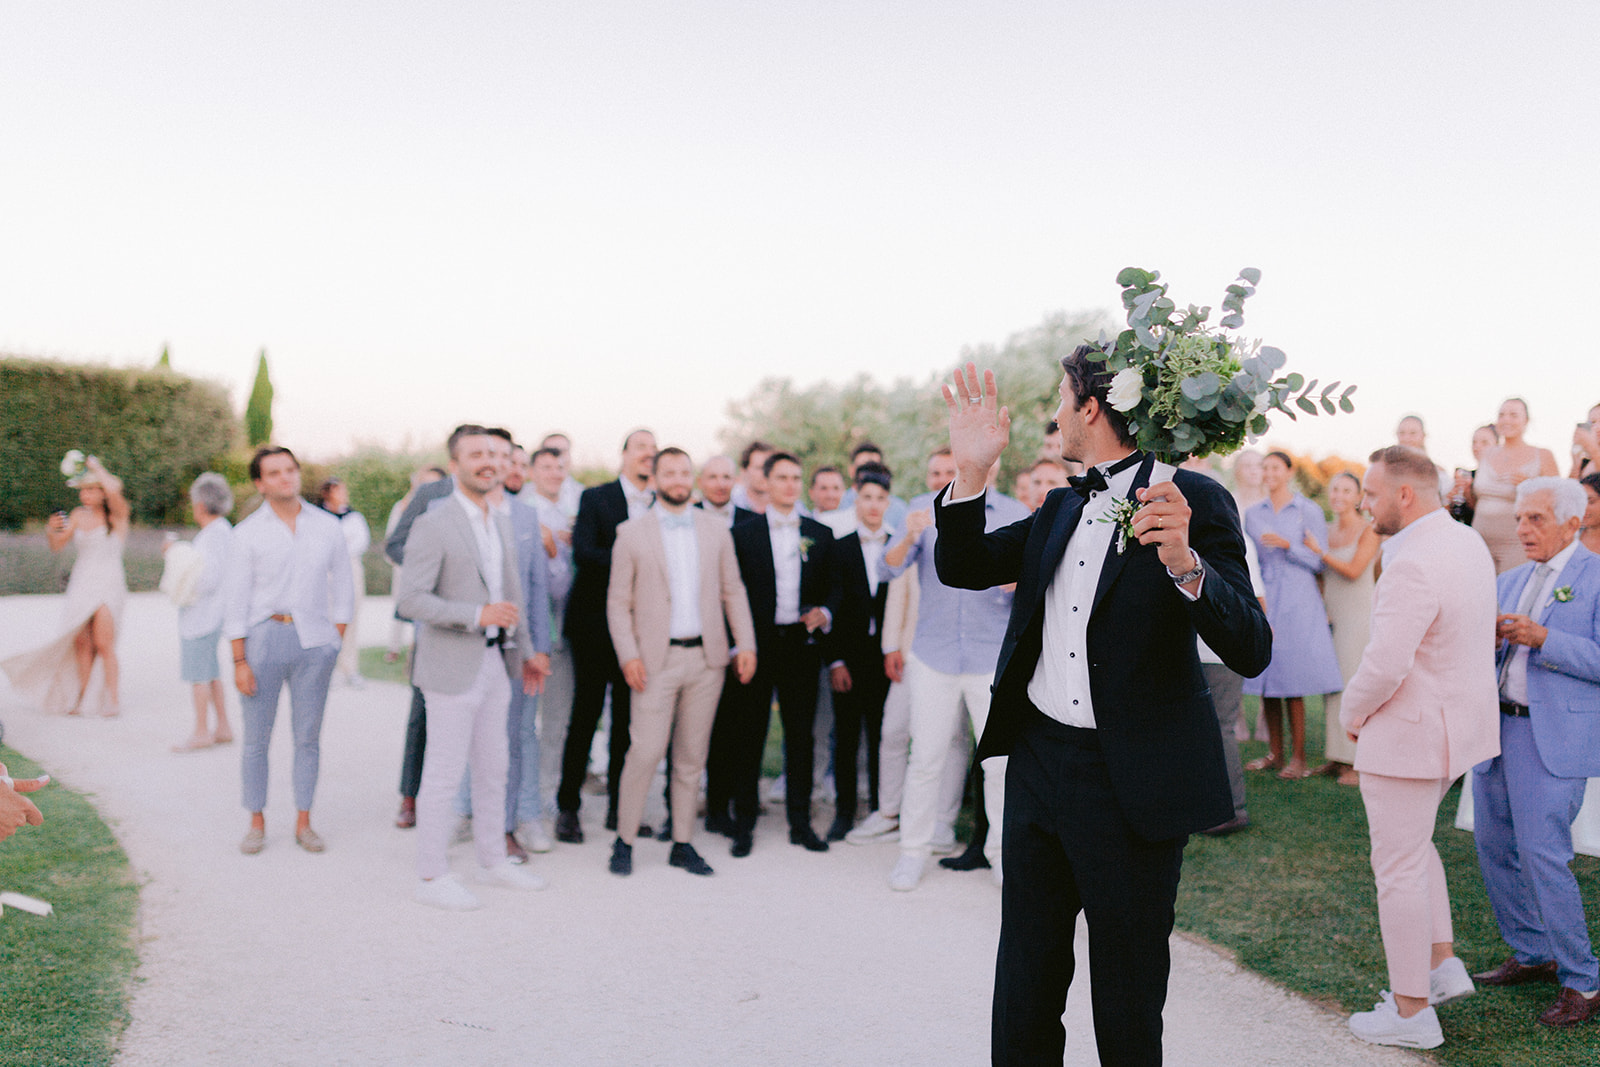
[944,842]
[907,872]
[1449,982]
[447,892]
[1384,1026]
[875,827]
[509,876]
[534,836]
[463,831]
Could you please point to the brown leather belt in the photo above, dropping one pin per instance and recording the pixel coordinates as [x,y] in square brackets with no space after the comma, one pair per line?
[288,619]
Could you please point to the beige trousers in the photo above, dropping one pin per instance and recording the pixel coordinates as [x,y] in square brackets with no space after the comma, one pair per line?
[678,704]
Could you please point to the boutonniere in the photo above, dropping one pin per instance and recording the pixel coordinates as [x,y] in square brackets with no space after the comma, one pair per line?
[1564,594]
[805,548]
[1121,512]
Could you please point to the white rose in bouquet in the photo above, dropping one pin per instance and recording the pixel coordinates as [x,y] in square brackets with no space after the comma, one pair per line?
[72,464]
[1126,389]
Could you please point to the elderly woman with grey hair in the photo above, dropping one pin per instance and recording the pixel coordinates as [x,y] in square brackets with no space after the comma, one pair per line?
[199,595]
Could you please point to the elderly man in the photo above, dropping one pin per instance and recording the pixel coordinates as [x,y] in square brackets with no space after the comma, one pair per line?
[1421,711]
[1526,797]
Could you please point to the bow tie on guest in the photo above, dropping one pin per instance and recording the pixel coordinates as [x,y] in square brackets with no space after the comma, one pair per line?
[879,538]
[680,520]
[1094,480]
[792,522]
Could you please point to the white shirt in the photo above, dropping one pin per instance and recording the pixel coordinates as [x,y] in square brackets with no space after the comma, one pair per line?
[638,499]
[204,616]
[491,550]
[1516,686]
[567,497]
[683,578]
[873,546]
[304,573]
[785,533]
[357,534]
[842,521]
[721,511]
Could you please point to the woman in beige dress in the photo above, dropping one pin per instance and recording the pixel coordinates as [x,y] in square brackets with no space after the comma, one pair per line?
[1347,591]
[56,674]
[1494,488]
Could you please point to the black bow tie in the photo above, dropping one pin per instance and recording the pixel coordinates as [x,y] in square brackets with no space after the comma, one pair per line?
[1093,480]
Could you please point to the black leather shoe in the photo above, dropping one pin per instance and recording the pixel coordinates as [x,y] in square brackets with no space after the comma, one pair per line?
[720,824]
[742,843]
[621,857]
[972,859]
[646,831]
[841,826]
[568,828]
[807,839]
[683,855]
[665,833]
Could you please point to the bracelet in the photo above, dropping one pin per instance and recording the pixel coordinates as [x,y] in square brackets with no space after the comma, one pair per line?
[238,661]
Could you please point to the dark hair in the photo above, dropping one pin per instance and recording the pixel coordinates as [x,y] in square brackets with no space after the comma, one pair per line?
[324,489]
[626,441]
[544,442]
[441,472]
[751,449]
[1592,481]
[780,457]
[1049,461]
[466,429]
[1408,464]
[1092,380]
[670,450]
[502,433]
[1347,474]
[945,451]
[826,468]
[262,453]
[865,446]
[1492,428]
[874,474]
[1412,418]
[1287,460]
[552,452]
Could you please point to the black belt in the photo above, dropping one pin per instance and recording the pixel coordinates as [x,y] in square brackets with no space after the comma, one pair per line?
[686,642]
[788,628]
[1515,710]
[497,641]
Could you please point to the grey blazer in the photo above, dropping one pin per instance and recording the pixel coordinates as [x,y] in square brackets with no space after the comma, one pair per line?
[443,588]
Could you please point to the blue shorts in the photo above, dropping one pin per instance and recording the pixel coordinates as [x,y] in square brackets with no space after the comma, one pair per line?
[198,660]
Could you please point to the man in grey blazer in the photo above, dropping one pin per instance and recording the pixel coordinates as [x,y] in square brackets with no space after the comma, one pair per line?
[462,588]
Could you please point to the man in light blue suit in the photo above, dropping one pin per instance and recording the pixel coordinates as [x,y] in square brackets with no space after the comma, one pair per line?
[1526,798]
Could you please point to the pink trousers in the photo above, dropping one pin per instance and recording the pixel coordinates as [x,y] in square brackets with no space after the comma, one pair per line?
[1413,902]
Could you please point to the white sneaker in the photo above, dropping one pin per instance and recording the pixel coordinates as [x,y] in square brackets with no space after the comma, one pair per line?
[1449,982]
[778,792]
[463,831]
[907,872]
[509,876]
[534,836]
[447,892]
[944,842]
[996,874]
[1384,1026]
[875,827]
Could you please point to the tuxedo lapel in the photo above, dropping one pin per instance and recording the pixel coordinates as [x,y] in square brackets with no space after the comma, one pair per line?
[1055,546]
[1115,561]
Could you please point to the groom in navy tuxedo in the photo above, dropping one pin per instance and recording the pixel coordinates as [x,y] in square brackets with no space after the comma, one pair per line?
[1100,703]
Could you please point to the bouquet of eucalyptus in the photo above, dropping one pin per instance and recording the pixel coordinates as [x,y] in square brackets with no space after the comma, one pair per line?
[73,465]
[1191,389]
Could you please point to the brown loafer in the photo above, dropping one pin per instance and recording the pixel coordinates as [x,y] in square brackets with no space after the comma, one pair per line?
[1570,1009]
[254,841]
[407,818]
[309,840]
[1515,972]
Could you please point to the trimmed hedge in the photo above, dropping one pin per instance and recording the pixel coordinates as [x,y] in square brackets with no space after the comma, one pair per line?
[154,429]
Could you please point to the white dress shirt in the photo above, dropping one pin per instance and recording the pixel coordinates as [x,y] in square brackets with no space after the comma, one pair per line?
[304,573]
[491,549]
[721,511]
[204,615]
[638,499]
[785,533]
[683,576]
[1516,684]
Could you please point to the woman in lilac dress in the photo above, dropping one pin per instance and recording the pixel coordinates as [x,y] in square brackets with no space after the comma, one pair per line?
[1303,657]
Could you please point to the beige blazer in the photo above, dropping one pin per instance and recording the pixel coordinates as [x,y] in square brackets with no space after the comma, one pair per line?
[1423,702]
[442,588]
[900,612]
[639,599]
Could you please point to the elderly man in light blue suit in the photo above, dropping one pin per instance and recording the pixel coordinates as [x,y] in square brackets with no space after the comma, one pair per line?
[1527,797]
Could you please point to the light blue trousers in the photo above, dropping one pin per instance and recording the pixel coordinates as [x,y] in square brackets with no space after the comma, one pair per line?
[273,651]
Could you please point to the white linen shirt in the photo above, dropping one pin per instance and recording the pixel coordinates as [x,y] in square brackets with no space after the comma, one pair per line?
[491,550]
[1516,686]
[638,499]
[683,578]
[304,573]
[785,533]
[204,616]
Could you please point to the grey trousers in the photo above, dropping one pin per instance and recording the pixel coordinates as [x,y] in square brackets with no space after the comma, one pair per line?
[1227,696]
[273,651]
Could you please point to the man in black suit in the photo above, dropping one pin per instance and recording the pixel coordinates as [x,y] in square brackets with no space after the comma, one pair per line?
[791,577]
[855,646]
[1101,705]
[594,661]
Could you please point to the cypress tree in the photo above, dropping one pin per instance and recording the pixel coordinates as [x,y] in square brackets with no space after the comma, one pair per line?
[165,362]
[258,412]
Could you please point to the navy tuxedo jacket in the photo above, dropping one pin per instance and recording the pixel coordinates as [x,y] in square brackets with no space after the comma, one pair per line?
[1157,729]
[857,633]
[819,572]
[601,510]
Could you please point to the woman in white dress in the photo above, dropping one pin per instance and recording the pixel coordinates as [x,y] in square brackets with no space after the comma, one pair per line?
[1347,591]
[56,674]
[334,498]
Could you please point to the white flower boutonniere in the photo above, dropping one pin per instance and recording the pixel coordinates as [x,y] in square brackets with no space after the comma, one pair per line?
[805,548]
[72,464]
[1121,513]
[1564,594]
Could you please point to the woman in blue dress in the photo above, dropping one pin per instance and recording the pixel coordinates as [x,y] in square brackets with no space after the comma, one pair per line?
[1303,657]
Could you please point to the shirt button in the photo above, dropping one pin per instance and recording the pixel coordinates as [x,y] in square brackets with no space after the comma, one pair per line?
[1074,607]
[1074,703]
[1080,563]
[1072,655]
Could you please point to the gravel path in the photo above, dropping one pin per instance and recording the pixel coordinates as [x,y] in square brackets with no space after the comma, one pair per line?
[785,958]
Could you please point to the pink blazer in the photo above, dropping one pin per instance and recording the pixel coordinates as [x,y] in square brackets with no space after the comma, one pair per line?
[639,599]
[1423,703]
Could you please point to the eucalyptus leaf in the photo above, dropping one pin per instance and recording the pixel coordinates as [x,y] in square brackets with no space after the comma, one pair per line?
[1305,405]
[1346,406]
[1251,275]
[1130,276]
[1146,338]
[1330,389]
[1293,382]
[1259,425]
[1272,357]
[1349,392]
[1207,402]
[1312,387]
[1328,406]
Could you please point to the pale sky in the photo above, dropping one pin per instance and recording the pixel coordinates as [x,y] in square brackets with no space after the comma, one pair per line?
[598,215]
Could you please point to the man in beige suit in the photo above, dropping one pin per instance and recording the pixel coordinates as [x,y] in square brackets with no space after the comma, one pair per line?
[1422,710]
[461,587]
[675,592]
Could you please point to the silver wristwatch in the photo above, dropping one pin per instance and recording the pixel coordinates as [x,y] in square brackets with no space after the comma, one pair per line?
[1189,576]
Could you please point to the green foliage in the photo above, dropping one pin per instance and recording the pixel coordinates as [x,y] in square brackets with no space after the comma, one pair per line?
[65,980]
[821,423]
[258,411]
[165,362]
[154,429]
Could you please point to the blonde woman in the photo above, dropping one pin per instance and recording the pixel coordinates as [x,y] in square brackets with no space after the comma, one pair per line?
[1347,584]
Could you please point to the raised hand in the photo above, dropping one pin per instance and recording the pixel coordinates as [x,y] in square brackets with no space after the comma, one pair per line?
[979,428]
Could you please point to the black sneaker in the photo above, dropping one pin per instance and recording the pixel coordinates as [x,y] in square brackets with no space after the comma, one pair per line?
[621,858]
[683,855]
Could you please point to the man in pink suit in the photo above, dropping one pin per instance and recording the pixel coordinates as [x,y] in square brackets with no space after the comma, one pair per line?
[1422,710]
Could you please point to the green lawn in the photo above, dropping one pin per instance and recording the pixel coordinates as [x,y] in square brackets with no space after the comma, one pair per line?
[64,981]
[1293,897]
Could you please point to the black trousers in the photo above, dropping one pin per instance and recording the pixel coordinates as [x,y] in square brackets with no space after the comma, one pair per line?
[594,667]
[1068,849]
[786,664]
[416,744]
[727,737]
[859,709]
